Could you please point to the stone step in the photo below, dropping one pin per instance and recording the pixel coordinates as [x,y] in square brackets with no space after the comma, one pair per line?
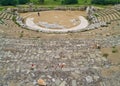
[108,18]
[118,17]
[11,17]
[0,13]
[1,16]
[117,12]
[4,17]
[114,16]
[74,83]
[63,83]
[8,16]
[102,84]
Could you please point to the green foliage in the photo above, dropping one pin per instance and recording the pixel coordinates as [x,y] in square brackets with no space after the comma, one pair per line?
[105,2]
[13,2]
[96,15]
[114,50]
[8,2]
[21,34]
[113,47]
[23,1]
[38,1]
[41,1]
[34,1]
[14,18]
[105,55]
[1,21]
[69,2]
[58,2]
[1,8]
[52,2]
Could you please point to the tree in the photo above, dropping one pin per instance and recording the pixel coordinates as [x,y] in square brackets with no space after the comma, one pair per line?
[98,1]
[69,1]
[9,2]
[34,1]
[23,1]
[5,2]
[105,2]
[41,1]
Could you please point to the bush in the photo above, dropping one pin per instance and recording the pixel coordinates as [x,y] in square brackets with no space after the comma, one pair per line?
[105,2]
[23,1]
[113,46]
[96,15]
[105,55]
[69,2]
[114,51]
[8,2]
[21,34]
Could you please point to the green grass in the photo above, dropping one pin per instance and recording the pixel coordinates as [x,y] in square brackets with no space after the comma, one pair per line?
[58,2]
[5,7]
[82,2]
[52,2]
[1,8]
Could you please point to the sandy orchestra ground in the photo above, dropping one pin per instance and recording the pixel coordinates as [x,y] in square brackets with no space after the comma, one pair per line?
[63,18]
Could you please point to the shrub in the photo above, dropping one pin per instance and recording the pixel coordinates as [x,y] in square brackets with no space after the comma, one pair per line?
[105,55]
[113,46]
[105,2]
[21,34]
[114,51]
[69,1]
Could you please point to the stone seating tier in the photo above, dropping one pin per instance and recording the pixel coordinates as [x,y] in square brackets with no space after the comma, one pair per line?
[7,16]
[107,15]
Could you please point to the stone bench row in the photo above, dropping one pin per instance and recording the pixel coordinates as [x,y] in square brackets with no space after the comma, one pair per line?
[107,16]
[4,15]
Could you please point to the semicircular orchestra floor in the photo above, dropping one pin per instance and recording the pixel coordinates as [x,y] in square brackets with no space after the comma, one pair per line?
[56,21]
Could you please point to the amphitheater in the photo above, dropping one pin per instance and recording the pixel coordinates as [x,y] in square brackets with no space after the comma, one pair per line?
[89,51]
